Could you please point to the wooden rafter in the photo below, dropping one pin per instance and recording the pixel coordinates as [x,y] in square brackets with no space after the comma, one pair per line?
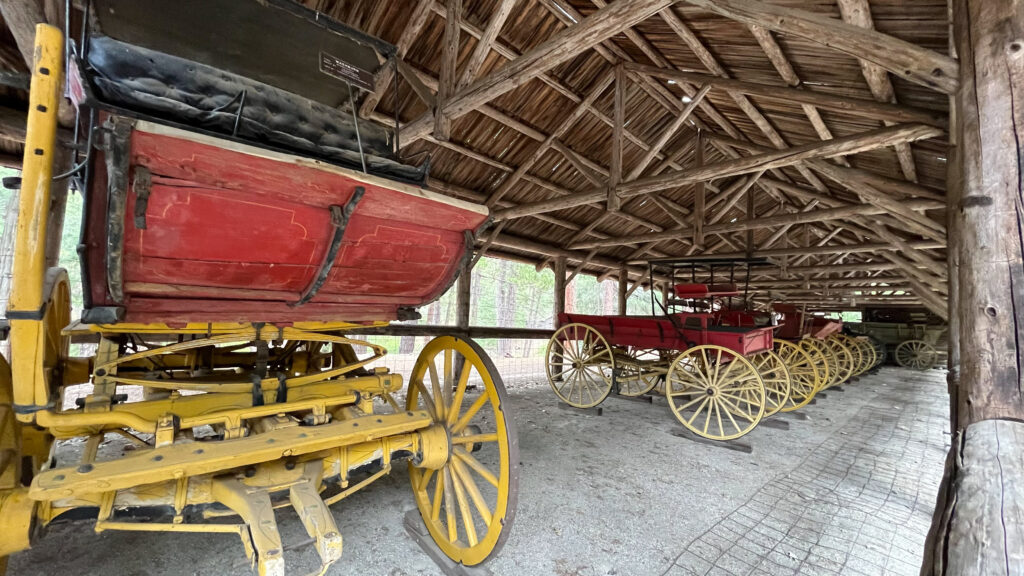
[902,58]
[561,47]
[776,159]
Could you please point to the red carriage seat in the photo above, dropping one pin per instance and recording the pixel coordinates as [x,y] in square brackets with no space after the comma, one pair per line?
[705,290]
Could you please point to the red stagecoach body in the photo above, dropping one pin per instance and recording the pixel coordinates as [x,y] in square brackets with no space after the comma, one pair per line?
[662,333]
[219,231]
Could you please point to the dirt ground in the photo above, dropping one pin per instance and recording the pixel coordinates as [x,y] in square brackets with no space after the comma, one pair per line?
[848,490]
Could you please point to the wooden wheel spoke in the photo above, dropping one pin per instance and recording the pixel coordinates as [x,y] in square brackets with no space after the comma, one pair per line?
[699,409]
[449,506]
[740,412]
[435,384]
[435,505]
[475,465]
[718,414]
[475,438]
[425,396]
[703,396]
[463,502]
[732,420]
[482,509]
[460,393]
[468,415]
[425,477]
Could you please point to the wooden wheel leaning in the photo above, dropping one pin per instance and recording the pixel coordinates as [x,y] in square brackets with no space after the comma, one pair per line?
[469,504]
[916,354]
[843,361]
[869,353]
[580,365]
[715,393]
[856,354]
[630,377]
[803,374]
[777,380]
[823,361]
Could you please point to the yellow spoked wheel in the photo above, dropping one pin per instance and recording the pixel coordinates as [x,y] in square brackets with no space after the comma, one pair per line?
[843,361]
[868,351]
[823,359]
[916,354]
[469,503]
[580,365]
[803,374]
[856,354]
[631,376]
[776,378]
[715,392]
[56,346]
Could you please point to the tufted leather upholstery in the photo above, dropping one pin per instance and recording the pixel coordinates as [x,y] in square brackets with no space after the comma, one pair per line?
[195,94]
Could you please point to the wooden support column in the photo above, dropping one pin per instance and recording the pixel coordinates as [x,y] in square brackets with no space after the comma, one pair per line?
[979,523]
[990,132]
[623,289]
[615,176]
[462,295]
[698,194]
[560,266]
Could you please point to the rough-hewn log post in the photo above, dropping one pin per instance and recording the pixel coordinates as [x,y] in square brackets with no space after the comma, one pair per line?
[560,265]
[462,295]
[623,289]
[990,129]
[978,527]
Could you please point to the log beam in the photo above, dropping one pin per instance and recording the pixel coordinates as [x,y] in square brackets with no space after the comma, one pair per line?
[775,159]
[906,60]
[563,46]
[845,104]
[838,213]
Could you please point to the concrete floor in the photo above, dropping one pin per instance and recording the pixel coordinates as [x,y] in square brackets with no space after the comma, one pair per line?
[849,490]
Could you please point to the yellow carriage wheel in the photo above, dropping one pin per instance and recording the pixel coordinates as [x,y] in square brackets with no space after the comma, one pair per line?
[870,355]
[856,354]
[916,354]
[843,360]
[469,503]
[715,393]
[631,377]
[580,365]
[803,374]
[823,361]
[776,378]
[55,346]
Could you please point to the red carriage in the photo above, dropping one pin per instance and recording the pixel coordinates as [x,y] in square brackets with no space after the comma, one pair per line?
[720,380]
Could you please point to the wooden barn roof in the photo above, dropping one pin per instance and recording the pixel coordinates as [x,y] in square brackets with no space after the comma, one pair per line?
[822,130]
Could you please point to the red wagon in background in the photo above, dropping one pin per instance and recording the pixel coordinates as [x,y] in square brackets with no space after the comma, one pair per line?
[719,380]
[840,357]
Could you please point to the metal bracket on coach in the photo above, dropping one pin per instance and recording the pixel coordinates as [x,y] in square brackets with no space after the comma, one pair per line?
[340,216]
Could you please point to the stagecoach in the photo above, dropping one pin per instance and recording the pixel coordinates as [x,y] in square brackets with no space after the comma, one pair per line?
[239,221]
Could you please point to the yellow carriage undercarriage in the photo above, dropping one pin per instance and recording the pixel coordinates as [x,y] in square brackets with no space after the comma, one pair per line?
[218,425]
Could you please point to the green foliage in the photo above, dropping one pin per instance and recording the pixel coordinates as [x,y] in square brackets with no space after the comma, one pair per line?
[69,240]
